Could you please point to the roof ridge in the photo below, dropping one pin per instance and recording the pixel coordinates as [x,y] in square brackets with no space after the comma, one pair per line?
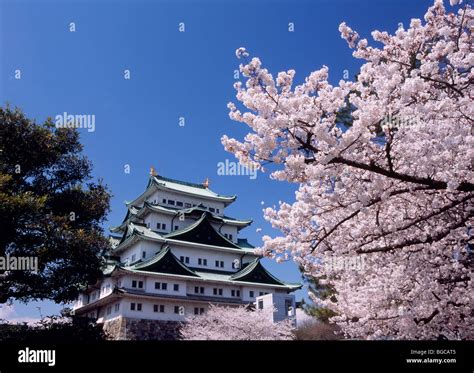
[251,266]
[187,183]
[246,269]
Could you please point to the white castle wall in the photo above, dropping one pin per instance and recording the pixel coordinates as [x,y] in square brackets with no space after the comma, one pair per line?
[147,249]
[161,195]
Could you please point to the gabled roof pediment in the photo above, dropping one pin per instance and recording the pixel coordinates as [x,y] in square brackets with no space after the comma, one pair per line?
[255,272]
[202,232]
[164,262]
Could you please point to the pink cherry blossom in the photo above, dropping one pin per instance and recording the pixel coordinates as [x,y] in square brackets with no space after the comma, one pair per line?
[236,323]
[395,187]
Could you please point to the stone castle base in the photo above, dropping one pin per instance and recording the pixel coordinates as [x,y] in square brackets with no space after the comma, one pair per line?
[123,328]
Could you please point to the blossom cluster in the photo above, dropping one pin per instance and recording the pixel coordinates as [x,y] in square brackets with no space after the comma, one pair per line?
[402,196]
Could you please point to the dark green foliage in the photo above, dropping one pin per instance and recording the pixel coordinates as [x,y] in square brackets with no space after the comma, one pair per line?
[49,208]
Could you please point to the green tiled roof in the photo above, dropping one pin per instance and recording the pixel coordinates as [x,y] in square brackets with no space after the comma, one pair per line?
[242,242]
[202,232]
[130,216]
[164,262]
[255,272]
[190,188]
[196,210]
[180,187]
[134,215]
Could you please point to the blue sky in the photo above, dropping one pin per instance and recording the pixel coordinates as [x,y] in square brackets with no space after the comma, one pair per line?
[172,74]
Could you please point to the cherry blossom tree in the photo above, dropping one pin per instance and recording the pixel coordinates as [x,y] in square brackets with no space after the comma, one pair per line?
[236,323]
[384,209]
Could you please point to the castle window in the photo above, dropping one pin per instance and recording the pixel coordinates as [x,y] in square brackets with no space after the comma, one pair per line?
[170,202]
[176,227]
[164,200]
[143,254]
[202,262]
[132,306]
[217,210]
[109,310]
[133,257]
[230,237]
[163,226]
[187,205]
[176,309]
[212,209]
[117,307]
[179,203]
[161,285]
[198,311]
[251,294]
[176,287]
[199,290]
[137,284]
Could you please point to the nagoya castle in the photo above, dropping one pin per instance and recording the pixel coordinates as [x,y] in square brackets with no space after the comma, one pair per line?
[175,253]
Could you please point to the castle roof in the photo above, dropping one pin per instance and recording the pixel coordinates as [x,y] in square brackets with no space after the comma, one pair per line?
[200,234]
[157,182]
[135,213]
[166,264]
